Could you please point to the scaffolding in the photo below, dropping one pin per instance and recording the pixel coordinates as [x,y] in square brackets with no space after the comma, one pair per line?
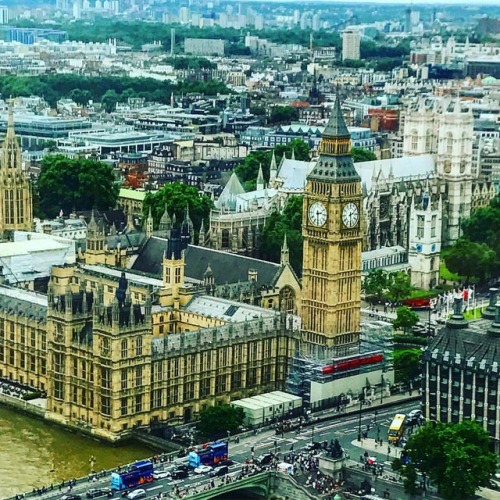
[376,345]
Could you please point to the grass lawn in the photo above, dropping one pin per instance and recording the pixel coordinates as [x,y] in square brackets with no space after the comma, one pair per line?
[473,313]
[447,275]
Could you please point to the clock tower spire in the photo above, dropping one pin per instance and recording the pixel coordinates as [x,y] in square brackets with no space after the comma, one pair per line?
[331,228]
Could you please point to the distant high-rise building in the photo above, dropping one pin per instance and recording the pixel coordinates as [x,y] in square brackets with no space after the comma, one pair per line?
[296,16]
[316,22]
[259,22]
[408,20]
[4,14]
[77,9]
[172,41]
[351,39]
[184,15]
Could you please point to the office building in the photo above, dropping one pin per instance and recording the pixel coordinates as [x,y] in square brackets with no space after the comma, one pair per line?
[351,39]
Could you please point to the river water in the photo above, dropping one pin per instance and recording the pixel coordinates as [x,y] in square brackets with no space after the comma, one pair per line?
[35,454]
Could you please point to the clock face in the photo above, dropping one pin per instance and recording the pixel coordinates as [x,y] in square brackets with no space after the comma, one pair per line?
[317,214]
[350,215]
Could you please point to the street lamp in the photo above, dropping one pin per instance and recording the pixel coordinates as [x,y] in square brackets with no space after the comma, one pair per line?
[228,436]
[361,399]
[312,434]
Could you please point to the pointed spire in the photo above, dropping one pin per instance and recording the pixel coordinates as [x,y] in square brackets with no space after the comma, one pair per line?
[273,169]
[130,222]
[457,109]
[10,121]
[11,152]
[336,126]
[149,224]
[293,154]
[165,221]
[201,234]
[260,178]
[285,253]
[391,171]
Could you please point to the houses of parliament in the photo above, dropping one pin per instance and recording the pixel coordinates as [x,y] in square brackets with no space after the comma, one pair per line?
[117,349]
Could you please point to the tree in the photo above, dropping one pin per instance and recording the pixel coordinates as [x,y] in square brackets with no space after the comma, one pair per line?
[283,114]
[375,283]
[407,364]
[217,420]
[75,184]
[399,286]
[361,154]
[468,258]
[277,225]
[109,100]
[405,320]
[177,196]
[455,456]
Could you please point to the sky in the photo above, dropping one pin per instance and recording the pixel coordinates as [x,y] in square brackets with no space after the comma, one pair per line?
[437,3]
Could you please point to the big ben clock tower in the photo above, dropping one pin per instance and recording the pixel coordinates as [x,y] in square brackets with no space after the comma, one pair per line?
[331,228]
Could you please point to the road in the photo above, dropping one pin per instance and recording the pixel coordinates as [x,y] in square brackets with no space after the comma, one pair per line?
[345,429]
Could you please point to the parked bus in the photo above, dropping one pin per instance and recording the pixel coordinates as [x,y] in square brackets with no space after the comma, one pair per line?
[212,454]
[421,303]
[140,472]
[397,428]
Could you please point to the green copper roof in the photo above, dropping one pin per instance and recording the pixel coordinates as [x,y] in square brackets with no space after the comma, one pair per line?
[335,169]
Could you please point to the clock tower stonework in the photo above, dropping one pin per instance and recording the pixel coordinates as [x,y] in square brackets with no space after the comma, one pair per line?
[331,229]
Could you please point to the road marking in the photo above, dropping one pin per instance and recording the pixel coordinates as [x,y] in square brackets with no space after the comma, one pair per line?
[155,488]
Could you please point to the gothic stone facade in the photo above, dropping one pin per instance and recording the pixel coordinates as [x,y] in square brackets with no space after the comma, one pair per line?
[107,368]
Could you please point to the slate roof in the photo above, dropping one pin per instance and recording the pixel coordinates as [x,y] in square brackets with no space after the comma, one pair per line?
[226,267]
[336,126]
[471,344]
[294,173]
[150,257]
[24,303]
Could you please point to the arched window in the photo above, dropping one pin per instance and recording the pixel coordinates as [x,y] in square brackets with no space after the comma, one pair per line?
[428,141]
[287,299]
[414,140]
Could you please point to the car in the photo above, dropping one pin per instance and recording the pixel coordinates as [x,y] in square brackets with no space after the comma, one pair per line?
[227,462]
[71,497]
[312,446]
[202,469]
[264,459]
[161,474]
[99,492]
[183,467]
[134,495]
[413,417]
[179,474]
[221,470]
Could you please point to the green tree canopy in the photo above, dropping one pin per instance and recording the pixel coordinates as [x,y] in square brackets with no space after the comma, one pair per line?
[176,197]
[399,286]
[289,223]
[375,283]
[247,170]
[80,184]
[217,420]
[483,226]
[283,114]
[468,258]
[405,320]
[361,154]
[456,457]
[407,364]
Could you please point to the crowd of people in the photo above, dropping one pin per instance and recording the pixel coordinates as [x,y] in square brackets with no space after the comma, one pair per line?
[16,389]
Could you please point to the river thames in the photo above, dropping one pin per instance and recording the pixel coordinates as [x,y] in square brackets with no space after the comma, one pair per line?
[35,454]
